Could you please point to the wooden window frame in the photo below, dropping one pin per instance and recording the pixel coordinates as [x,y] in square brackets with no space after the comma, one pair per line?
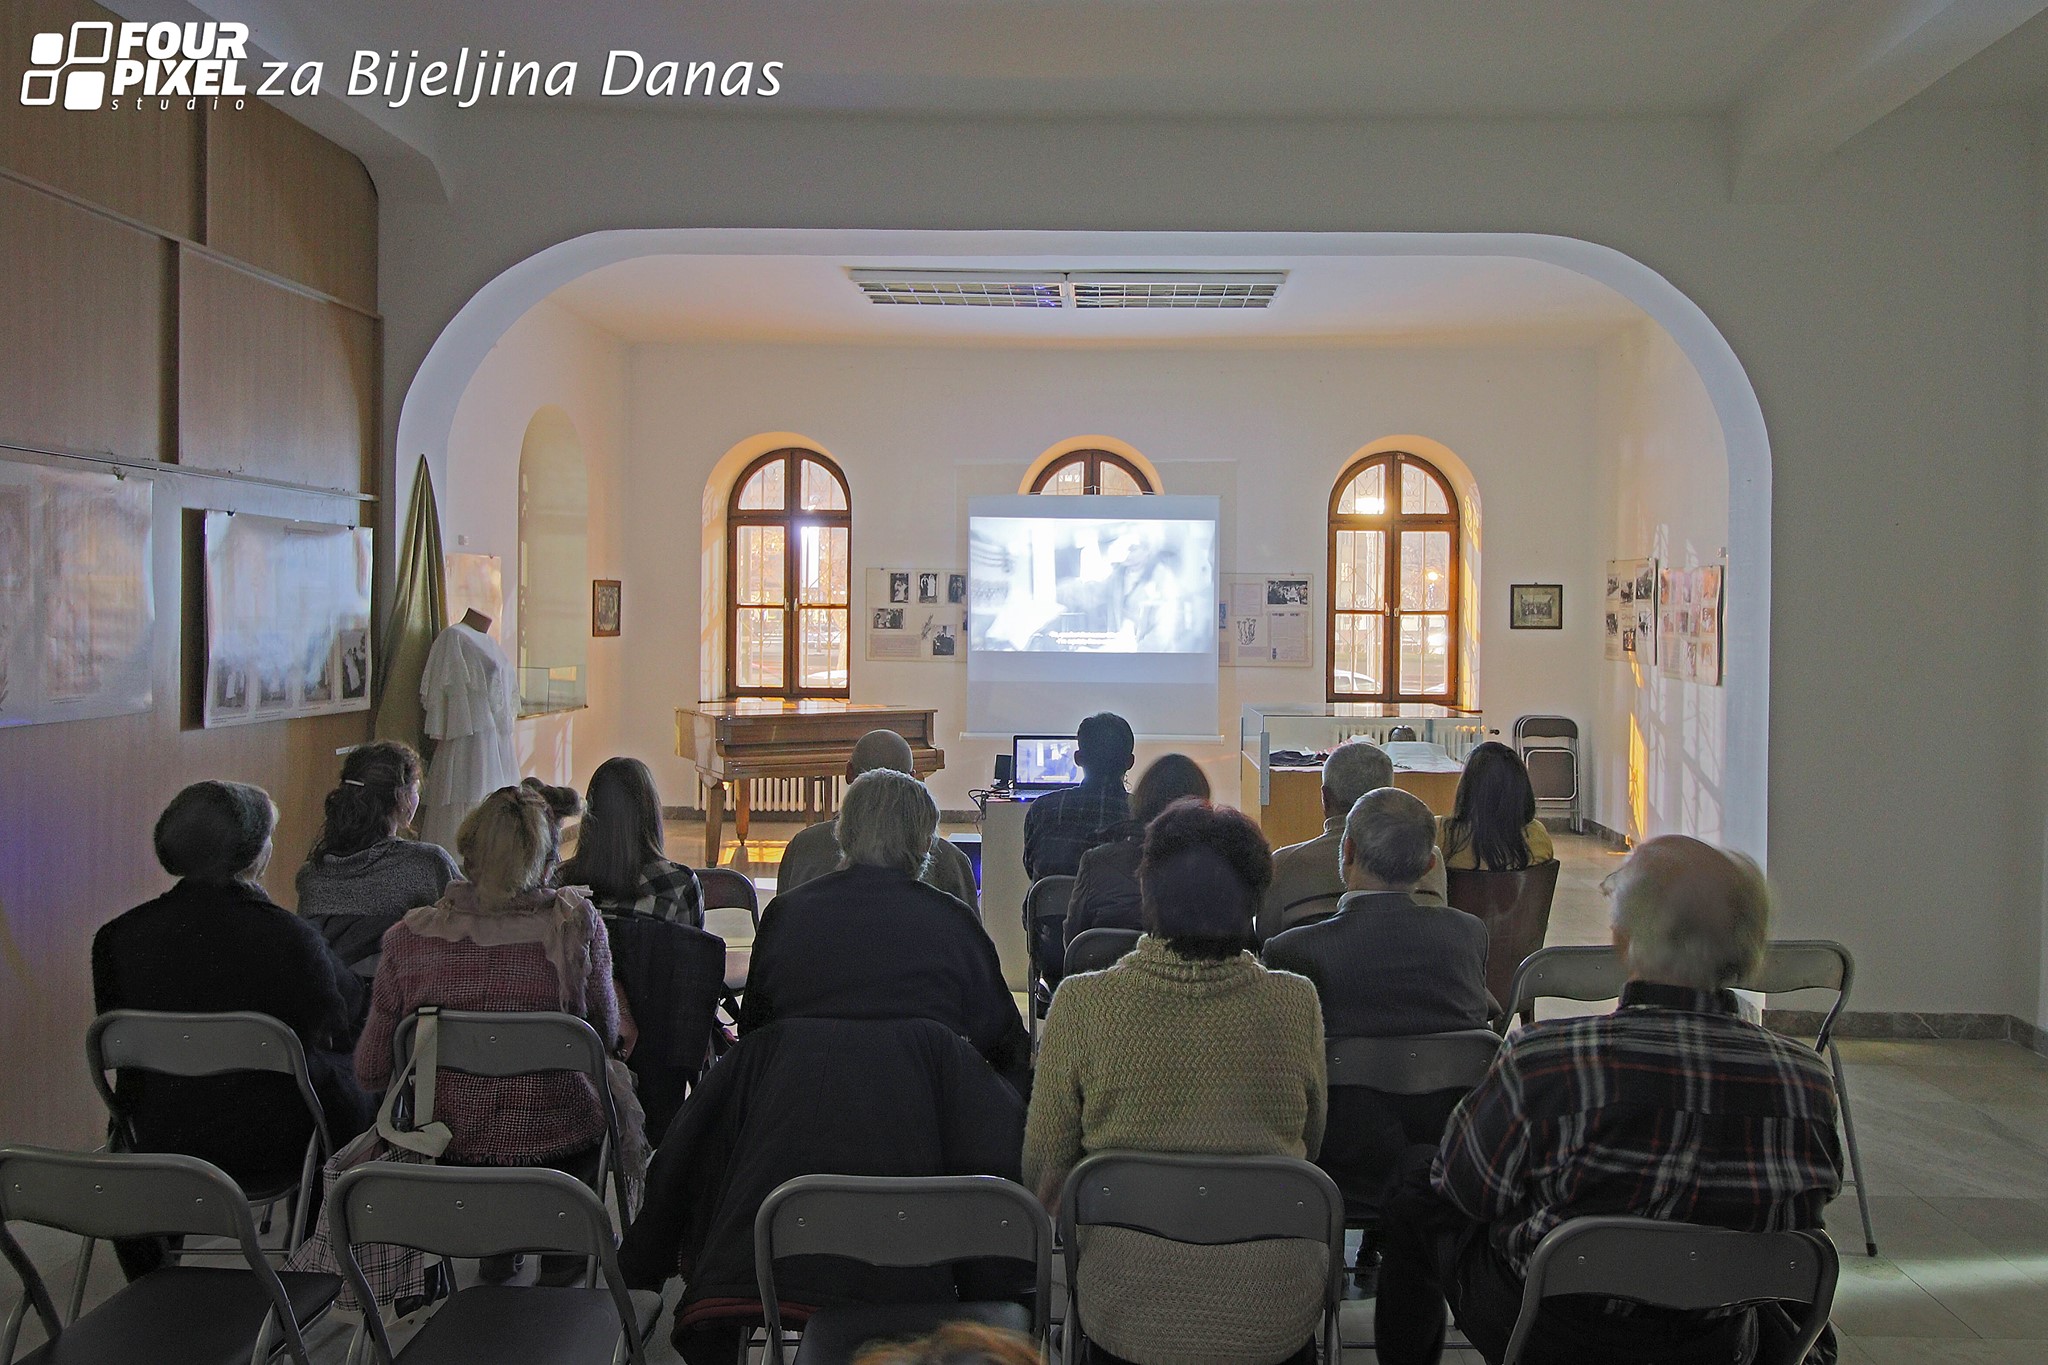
[1092,462]
[1392,522]
[792,519]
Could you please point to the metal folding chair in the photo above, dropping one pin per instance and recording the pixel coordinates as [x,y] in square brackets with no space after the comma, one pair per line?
[177,1315]
[1549,748]
[899,1221]
[486,1211]
[727,889]
[1597,973]
[1206,1201]
[1095,949]
[1683,1266]
[1045,910]
[1419,1064]
[520,1043]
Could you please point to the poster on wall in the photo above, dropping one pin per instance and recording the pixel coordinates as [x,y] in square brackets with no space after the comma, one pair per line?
[477,581]
[1263,621]
[916,614]
[287,619]
[1689,626]
[77,594]
[1629,614]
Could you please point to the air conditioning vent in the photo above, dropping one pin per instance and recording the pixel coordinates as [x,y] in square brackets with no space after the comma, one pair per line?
[959,289]
[1070,289]
[1185,289]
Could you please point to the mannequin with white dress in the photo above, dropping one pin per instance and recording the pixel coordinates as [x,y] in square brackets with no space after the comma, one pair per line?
[468,691]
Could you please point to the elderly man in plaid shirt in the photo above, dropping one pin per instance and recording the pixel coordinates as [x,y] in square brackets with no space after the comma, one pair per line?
[1671,1107]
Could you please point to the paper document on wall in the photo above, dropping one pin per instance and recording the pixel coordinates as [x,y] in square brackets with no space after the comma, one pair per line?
[916,614]
[1264,621]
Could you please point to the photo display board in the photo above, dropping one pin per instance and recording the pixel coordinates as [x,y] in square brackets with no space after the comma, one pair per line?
[287,619]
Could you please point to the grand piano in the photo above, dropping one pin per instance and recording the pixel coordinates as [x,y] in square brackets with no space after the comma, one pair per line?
[737,741]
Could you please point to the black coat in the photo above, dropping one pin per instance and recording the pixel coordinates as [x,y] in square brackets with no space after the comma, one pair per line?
[673,976]
[815,1096]
[204,947]
[873,943]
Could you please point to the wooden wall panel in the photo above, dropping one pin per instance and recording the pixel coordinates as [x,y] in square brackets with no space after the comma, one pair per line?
[280,196]
[144,164]
[84,361]
[273,383]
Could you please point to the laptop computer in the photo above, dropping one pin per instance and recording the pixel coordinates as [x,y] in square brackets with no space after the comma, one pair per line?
[1043,763]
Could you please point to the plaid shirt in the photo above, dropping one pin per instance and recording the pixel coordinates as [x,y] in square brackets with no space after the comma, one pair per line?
[1062,825]
[1672,1107]
[666,891]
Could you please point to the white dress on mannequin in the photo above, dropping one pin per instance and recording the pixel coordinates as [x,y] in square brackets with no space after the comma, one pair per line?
[470,700]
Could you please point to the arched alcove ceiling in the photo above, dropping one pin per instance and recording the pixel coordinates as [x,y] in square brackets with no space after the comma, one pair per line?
[428,410]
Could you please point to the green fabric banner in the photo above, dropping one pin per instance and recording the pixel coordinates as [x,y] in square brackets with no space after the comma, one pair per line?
[419,611]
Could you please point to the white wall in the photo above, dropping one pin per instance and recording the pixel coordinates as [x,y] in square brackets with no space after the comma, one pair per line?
[549,357]
[1664,488]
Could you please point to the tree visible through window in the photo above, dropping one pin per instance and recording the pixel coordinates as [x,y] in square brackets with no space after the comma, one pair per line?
[788,532]
[1393,582]
[1091,471]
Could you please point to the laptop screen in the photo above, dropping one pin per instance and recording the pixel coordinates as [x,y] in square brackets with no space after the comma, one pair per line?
[1043,762]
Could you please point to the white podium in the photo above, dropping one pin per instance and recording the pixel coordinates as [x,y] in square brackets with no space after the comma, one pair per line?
[1003,883]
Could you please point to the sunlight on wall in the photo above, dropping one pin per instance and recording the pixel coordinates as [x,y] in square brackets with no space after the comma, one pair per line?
[554,566]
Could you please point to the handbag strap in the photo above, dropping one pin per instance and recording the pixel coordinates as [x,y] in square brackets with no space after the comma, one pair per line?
[426,1137]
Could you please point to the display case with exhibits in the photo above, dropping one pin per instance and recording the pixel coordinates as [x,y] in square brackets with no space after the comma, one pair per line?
[1281,748]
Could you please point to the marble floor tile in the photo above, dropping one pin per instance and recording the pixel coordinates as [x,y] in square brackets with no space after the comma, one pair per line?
[1877,1299]
[1915,1351]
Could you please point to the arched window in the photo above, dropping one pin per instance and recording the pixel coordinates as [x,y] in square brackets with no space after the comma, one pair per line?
[787,550]
[1092,471]
[554,566]
[1393,582]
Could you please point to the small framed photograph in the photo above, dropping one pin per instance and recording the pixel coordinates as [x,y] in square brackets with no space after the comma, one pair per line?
[1536,606]
[604,606]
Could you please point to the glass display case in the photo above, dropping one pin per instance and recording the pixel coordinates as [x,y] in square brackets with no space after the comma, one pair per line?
[1291,739]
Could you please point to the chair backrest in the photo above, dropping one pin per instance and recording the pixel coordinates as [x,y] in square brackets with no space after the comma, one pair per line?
[1416,1065]
[472,1211]
[1309,910]
[901,1221]
[727,888]
[1682,1266]
[1515,907]
[196,1045]
[1095,949]
[1590,972]
[1546,727]
[1047,899]
[1807,964]
[1206,1201]
[129,1194]
[673,976]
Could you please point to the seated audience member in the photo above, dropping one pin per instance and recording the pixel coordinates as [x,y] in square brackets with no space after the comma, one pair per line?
[957,1343]
[1306,877]
[804,1097]
[1384,966]
[620,854]
[362,864]
[872,941]
[1671,1107]
[1062,825]
[1492,825]
[1106,888]
[503,940]
[1186,1045]
[814,850]
[215,943]
[563,805]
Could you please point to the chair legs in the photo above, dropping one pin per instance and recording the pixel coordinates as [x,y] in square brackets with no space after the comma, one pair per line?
[1855,1156]
[78,1283]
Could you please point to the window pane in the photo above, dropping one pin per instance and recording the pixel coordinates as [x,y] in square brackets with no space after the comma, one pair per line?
[1068,478]
[821,492]
[763,492]
[821,560]
[758,565]
[1365,496]
[757,647]
[1425,571]
[1116,479]
[821,660]
[1361,570]
[1356,652]
[1425,645]
[1421,493]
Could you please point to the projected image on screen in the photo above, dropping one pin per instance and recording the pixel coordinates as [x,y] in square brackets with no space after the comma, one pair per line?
[1092,586]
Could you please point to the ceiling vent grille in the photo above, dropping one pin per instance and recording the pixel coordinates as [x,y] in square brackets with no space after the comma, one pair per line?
[1070,289]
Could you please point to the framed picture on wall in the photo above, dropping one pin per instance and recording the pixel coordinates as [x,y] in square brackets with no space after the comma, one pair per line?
[604,606]
[1536,606]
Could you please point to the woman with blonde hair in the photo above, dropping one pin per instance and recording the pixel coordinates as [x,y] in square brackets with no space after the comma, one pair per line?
[956,1343]
[503,940]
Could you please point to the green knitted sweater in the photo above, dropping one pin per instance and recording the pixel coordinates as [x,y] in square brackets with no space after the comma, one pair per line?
[1161,1053]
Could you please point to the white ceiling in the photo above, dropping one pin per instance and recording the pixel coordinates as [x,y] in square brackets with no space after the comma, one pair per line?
[1373,299]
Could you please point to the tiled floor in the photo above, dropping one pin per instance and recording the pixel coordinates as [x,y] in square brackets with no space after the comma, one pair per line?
[1955,1147]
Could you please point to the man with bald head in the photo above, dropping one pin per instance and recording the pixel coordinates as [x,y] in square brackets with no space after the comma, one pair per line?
[1308,879]
[1671,1107]
[814,850]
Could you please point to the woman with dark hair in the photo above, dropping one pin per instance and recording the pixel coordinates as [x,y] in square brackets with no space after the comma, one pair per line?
[1187,1045]
[1105,892]
[619,851]
[1492,825]
[362,863]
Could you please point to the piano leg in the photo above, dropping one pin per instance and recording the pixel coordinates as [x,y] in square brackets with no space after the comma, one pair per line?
[714,821]
[740,808]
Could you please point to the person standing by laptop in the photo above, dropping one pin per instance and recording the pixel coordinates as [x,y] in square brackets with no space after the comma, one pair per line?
[1062,825]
